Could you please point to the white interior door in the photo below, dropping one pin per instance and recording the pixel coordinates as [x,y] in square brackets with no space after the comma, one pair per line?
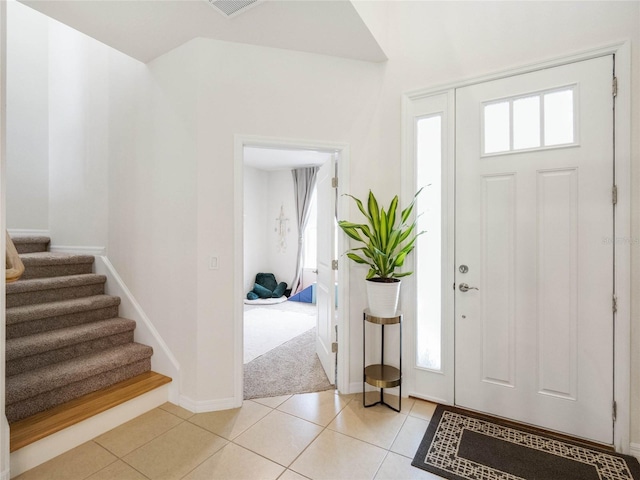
[534,228]
[326,277]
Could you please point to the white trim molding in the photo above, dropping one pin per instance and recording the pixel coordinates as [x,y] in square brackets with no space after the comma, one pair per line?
[25,232]
[162,360]
[202,406]
[634,449]
[240,141]
[95,251]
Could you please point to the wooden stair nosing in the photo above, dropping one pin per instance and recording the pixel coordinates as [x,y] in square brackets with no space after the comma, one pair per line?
[38,426]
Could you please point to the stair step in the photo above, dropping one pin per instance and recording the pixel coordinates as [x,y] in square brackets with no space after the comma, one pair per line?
[29,430]
[32,319]
[31,243]
[50,264]
[31,352]
[47,387]
[53,289]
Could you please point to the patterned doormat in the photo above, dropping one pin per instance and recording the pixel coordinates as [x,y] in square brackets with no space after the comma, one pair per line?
[461,445]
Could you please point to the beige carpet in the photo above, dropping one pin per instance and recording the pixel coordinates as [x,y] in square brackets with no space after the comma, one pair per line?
[268,327]
[290,368]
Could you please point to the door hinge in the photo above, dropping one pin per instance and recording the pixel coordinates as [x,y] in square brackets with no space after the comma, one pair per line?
[334,264]
[614,86]
[614,410]
[614,304]
[334,182]
[334,347]
[614,194]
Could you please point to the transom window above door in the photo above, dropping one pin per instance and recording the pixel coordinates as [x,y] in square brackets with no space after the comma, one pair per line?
[528,122]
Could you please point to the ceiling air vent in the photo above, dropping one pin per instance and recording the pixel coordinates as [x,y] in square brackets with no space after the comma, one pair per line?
[231,8]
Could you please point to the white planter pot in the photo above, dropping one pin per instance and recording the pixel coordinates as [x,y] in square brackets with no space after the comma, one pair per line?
[383,298]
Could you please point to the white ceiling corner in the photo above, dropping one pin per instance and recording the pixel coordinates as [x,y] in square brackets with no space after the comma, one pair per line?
[147,29]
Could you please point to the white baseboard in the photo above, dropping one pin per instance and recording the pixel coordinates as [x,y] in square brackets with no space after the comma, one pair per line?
[634,449]
[431,399]
[23,232]
[201,406]
[95,251]
[49,447]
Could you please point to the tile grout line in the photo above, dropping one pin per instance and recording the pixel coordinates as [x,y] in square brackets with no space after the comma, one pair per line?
[287,467]
[324,428]
[270,409]
[106,466]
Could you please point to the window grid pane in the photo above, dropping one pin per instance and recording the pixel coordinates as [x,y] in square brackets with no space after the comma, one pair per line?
[429,244]
[544,119]
[558,118]
[496,127]
[526,123]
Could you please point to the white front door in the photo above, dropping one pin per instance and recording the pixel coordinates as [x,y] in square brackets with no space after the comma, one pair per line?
[326,277]
[534,228]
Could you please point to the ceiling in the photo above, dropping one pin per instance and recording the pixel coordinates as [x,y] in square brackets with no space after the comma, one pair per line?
[146,29]
[272,159]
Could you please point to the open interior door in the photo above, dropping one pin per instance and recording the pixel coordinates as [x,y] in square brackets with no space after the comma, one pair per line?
[325,285]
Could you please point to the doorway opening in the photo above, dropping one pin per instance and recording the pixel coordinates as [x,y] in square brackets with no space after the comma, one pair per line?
[285,322]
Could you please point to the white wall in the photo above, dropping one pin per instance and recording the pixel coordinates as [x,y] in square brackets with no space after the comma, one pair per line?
[264,193]
[58,103]
[282,264]
[78,138]
[152,201]
[28,119]
[259,91]
[255,225]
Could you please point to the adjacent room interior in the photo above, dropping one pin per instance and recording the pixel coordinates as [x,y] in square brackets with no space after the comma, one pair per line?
[280,271]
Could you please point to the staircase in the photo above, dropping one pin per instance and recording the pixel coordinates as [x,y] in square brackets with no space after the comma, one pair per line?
[65,341]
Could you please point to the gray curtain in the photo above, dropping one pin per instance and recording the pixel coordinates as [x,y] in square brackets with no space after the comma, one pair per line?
[304,181]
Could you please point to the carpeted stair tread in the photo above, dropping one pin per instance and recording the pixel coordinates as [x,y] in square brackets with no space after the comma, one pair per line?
[30,243]
[52,283]
[64,337]
[50,264]
[54,258]
[52,377]
[53,289]
[28,313]
[46,400]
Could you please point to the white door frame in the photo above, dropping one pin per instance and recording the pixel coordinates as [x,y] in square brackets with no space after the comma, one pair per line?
[4,426]
[623,239]
[241,141]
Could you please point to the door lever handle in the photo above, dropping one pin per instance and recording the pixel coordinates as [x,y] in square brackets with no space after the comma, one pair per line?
[465,288]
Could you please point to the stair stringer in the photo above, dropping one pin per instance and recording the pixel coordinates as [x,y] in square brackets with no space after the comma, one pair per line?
[162,360]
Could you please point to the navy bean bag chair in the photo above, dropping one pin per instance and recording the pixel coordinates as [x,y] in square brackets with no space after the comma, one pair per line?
[266,286]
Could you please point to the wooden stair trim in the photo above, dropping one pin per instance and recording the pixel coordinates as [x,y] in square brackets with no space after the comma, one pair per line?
[29,430]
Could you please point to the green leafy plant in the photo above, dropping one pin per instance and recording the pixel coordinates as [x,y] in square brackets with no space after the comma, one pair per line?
[387,238]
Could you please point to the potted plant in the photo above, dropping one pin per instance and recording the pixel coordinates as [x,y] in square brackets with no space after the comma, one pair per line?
[386,240]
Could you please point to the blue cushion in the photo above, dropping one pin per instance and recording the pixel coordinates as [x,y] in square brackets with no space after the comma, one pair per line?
[261,291]
[279,291]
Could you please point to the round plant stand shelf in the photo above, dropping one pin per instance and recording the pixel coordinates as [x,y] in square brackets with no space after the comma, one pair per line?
[380,375]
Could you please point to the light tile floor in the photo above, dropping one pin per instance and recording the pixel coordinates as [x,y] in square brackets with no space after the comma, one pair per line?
[312,435]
